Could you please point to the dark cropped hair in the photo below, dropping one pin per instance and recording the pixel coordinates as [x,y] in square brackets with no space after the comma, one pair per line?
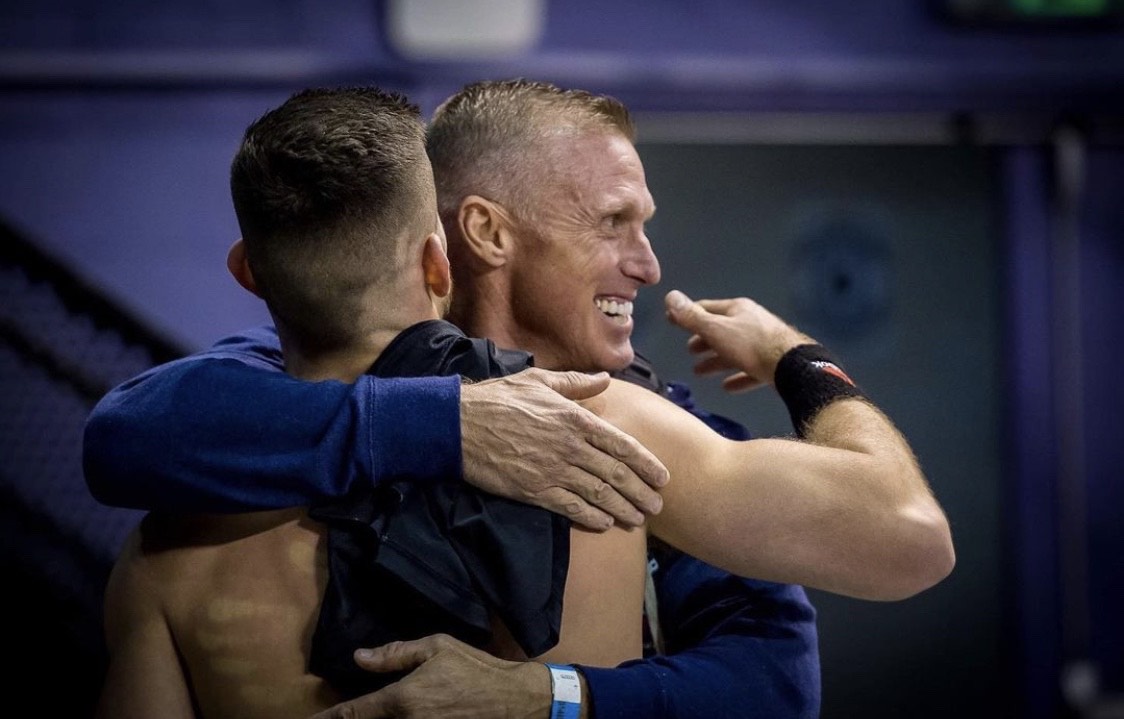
[324,186]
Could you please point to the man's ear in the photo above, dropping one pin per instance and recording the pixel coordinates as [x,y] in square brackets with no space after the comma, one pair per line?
[239,266]
[485,228]
[435,264]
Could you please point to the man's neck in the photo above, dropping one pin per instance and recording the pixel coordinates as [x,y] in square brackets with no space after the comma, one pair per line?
[345,364]
[490,317]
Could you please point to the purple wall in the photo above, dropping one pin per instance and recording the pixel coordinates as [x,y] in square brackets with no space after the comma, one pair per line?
[118,119]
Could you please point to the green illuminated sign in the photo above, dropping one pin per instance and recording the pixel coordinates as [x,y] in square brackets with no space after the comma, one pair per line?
[1041,13]
[1060,8]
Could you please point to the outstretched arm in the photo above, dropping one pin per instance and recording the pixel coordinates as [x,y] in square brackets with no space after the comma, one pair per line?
[846,509]
[227,430]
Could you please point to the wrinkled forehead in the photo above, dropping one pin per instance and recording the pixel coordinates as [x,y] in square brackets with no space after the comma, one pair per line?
[599,168]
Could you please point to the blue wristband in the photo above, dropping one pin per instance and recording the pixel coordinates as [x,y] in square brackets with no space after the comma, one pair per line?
[566,689]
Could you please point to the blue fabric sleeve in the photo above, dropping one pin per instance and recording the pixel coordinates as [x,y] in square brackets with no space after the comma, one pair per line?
[736,648]
[228,430]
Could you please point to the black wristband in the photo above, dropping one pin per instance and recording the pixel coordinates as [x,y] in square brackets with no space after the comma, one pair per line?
[808,379]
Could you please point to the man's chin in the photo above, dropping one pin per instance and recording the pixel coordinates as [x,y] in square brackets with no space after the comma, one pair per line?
[614,361]
[607,358]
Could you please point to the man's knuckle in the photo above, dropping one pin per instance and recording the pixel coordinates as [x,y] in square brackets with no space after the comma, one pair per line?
[567,444]
[393,648]
[602,491]
[578,417]
[620,473]
[623,444]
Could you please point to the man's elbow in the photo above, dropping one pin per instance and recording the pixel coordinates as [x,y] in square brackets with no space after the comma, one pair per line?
[940,554]
[926,554]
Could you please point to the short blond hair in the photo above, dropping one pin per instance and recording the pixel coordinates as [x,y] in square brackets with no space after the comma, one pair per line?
[485,139]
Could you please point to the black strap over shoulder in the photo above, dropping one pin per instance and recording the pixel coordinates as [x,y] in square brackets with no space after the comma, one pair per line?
[410,558]
[641,372]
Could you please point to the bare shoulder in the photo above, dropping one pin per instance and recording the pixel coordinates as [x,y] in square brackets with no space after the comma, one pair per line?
[622,400]
[131,563]
[648,416]
[132,592]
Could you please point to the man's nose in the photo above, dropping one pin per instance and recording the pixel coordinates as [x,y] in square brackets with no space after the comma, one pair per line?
[641,263]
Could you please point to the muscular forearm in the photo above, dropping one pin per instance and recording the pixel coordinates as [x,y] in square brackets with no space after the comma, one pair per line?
[903,543]
[845,509]
[854,517]
[832,518]
[880,508]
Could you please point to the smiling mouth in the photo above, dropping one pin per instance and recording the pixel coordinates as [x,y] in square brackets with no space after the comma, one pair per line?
[620,311]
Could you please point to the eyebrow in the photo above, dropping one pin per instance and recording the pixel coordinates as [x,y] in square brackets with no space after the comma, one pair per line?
[618,207]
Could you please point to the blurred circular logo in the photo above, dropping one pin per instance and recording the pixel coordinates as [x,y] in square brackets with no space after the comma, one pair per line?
[842,277]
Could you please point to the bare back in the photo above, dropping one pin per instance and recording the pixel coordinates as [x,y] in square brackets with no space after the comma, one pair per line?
[240,596]
[602,612]
[237,597]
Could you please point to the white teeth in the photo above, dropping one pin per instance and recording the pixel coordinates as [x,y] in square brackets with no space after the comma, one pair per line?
[614,308]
